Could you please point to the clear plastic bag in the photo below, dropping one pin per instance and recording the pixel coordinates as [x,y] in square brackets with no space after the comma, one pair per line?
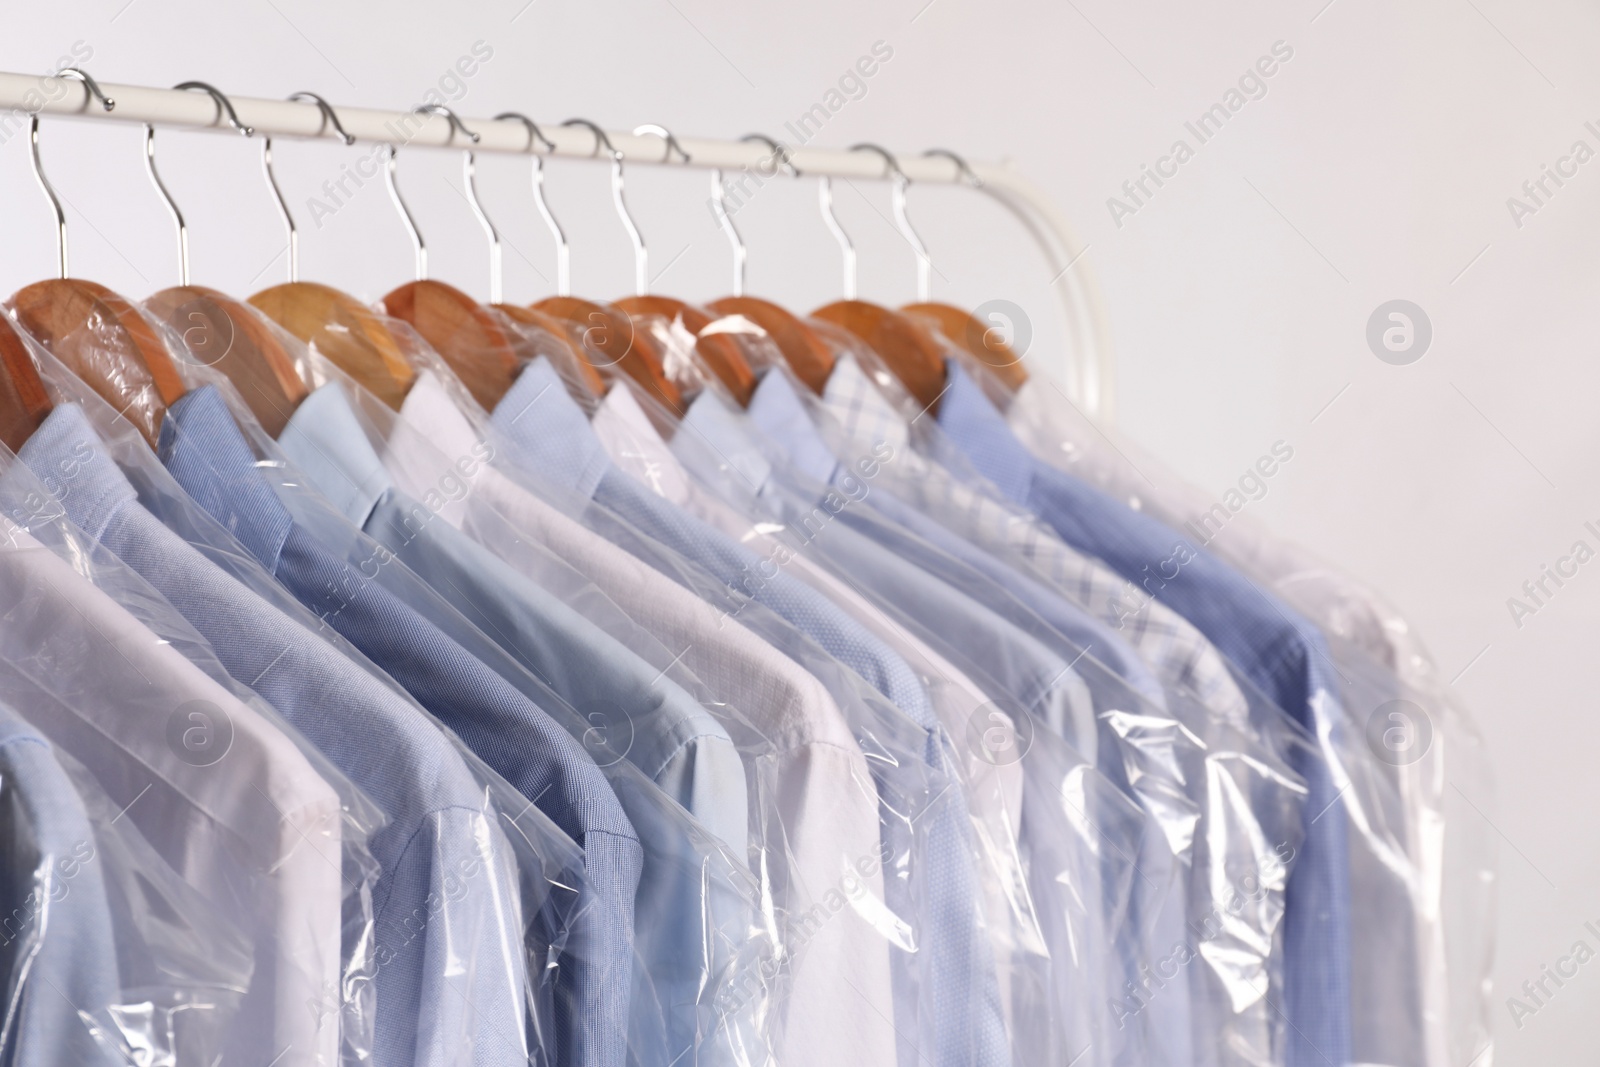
[262,828]
[1418,734]
[479,890]
[893,777]
[678,970]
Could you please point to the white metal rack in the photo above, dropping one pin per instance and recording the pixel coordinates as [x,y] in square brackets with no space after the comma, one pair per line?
[1087,373]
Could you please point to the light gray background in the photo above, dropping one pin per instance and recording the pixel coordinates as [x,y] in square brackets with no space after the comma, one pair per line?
[1377,167]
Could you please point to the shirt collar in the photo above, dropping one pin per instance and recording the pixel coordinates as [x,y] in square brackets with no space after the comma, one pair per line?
[864,412]
[635,446]
[208,455]
[713,429]
[776,408]
[431,411]
[546,431]
[66,454]
[324,439]
[979,429]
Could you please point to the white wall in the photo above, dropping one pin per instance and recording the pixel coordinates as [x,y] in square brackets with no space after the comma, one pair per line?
[1377,166]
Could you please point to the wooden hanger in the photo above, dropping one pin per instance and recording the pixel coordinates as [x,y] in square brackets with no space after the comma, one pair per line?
[217,330]
[975,337]
[611,342]
[100,336]
[720,352]
[342,328]
[24,400]
[909,349]
[810,359]
[225,333]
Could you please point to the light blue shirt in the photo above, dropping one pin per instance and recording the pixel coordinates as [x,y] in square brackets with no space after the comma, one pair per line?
[1274,647]
[58,953]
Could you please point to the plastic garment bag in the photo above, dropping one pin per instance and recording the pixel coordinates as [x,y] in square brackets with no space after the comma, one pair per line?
[1354,866]
[476,887]
[106,954]
[261,828]
[1418,730]
[827,869]
[661,992]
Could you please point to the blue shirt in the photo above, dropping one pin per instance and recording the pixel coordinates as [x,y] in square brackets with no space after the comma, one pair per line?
[58,953]
[1274,647]
[694,909]
[440,909]
[203,448]
[551,438]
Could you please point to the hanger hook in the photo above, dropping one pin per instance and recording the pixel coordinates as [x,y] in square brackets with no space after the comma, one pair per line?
[847,248]
[641,259]
[419,249]
[780,152]
[962,170]
[641,255]
[657,130]
[91,88]
[91,91]
[329,118]
[563,252]
[902,221]
[224,111]
[224,105]
[469,171]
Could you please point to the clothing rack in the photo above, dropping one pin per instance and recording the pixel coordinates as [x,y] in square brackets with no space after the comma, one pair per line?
[1087,370]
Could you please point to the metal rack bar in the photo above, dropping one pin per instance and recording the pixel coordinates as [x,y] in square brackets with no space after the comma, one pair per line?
[1087,365]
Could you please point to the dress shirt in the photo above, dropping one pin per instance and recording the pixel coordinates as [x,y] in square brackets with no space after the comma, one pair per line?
[716,445]
[258,832]
[812,795]
[1150,767]
[1174,648]
[1402,1012]
[451,971]
[204,449]
[548,434]
[58,952]
[694,910]
[1280,652]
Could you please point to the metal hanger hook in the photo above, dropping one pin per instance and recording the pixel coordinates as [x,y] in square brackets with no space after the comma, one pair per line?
[419,249]
[563,252]
[780,153]
[91,88]
[962,170]
[329,118]
[847,248]
[719,205]
[224,111]
[657,130]
[91,92]
[469,172]
[641,255]
[224,105]
[902,221]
